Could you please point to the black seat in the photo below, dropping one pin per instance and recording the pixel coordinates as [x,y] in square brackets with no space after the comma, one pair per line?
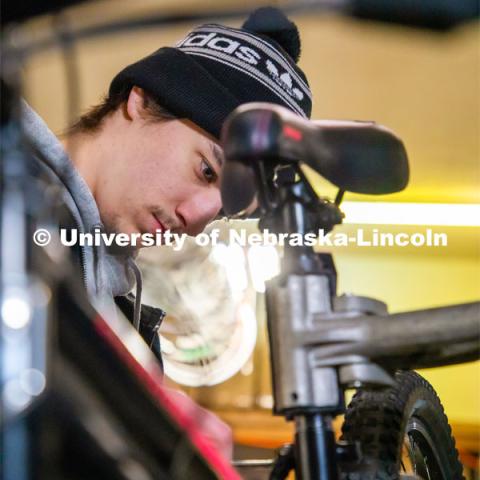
[360,157]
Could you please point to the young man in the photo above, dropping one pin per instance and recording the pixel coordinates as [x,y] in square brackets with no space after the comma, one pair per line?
[148,157]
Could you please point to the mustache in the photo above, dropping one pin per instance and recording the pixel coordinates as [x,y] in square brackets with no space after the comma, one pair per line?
[167,221]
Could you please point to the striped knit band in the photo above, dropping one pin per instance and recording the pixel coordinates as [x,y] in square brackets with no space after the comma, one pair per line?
[213,70]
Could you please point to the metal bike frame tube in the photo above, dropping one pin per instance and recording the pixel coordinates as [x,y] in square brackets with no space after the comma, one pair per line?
[315,448]
[14,441]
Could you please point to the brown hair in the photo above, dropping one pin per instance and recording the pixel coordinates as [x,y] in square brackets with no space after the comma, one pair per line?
[91,121]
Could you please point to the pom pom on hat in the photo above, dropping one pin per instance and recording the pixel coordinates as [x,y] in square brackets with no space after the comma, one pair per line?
[273,23]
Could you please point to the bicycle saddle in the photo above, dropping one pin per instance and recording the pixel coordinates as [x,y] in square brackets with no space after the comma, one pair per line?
[360,157]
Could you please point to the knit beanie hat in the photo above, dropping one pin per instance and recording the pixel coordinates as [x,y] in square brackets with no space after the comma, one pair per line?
[215,68]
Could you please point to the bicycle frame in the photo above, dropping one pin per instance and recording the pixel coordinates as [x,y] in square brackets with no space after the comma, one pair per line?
[321,343]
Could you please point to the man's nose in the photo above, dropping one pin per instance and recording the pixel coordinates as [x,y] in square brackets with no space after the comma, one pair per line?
[199,210]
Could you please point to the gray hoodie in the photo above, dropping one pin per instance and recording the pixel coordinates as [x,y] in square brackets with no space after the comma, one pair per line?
[107,274]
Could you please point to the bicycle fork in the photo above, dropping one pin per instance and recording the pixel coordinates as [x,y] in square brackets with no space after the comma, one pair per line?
[306,388]
[310,396]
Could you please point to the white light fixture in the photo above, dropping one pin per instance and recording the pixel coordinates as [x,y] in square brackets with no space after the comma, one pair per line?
[232,258]
[16,310]
[385,213]
[264,264]
[232,358]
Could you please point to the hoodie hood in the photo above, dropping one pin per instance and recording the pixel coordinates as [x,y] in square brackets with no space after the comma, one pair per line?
[107,274]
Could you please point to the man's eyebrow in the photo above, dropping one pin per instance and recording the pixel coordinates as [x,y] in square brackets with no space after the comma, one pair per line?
[217,153]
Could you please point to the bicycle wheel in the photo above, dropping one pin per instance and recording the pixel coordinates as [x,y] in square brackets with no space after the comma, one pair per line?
[401,430]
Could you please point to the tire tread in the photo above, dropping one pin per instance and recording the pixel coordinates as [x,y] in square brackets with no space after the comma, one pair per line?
[376,420]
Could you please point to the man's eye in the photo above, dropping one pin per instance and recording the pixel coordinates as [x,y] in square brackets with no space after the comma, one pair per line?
[208,172]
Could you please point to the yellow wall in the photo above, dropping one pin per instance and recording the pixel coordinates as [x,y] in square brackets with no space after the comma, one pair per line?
[408,282]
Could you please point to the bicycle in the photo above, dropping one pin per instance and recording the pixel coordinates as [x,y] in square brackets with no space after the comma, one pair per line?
[322,344]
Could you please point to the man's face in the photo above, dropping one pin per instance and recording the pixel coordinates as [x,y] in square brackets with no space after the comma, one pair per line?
[158,175]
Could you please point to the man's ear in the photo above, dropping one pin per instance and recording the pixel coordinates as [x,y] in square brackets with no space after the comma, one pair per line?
[135,103]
